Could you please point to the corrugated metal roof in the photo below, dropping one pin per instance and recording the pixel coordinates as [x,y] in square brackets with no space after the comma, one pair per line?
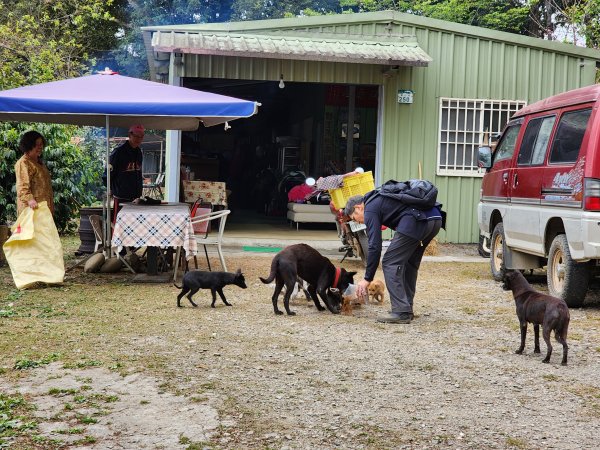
[390,17]
[400,51]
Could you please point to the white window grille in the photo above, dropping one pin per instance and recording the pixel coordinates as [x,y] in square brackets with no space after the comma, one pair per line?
[465,124]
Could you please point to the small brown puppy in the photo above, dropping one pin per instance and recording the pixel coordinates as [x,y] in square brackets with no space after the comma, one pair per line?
[377,290]
[539,309]
[347,305]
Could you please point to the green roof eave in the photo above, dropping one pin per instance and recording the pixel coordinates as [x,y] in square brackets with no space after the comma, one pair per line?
[400,51]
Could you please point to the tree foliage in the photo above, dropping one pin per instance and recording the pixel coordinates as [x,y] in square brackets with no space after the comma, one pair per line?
[546,19]
[275,9]
[129,57]
[75,170]
[42,41]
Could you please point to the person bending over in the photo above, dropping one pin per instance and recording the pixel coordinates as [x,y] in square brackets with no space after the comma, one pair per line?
[414,229]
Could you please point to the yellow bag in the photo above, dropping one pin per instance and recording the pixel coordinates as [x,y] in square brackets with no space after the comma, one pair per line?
[34,252]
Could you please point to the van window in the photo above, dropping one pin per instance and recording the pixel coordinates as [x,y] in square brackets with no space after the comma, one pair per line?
[535,141]
[506,147]
[569,135]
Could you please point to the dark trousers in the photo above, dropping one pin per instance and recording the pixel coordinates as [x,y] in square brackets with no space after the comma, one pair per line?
[401,265]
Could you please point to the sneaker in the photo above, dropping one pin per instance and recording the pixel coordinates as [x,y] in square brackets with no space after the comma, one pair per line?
[396,318]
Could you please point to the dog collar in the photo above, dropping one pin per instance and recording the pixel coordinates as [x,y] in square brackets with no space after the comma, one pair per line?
[338,272]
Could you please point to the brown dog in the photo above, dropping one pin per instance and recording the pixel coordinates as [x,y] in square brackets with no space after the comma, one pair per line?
[377,290]
[539,309]
[301,260]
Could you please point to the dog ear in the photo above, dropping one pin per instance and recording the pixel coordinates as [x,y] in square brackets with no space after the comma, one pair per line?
[351,273]
[238,272]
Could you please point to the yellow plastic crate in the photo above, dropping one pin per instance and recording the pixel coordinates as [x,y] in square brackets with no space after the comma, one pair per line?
[353,185]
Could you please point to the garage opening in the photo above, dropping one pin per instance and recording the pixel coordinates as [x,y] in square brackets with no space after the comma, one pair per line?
[300,131]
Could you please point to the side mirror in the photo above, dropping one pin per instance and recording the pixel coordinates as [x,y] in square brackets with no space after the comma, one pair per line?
[484,157]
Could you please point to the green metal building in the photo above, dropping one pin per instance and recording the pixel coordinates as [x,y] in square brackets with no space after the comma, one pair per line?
[423,93]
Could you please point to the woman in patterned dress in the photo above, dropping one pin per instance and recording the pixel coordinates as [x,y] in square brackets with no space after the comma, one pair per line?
[33,177]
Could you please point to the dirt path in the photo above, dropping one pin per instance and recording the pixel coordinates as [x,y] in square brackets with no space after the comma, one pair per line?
[242,377]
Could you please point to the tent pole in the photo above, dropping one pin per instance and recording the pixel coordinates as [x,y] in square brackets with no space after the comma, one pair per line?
[107,217]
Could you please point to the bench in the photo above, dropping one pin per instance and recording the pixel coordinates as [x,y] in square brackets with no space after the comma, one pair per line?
[308,213]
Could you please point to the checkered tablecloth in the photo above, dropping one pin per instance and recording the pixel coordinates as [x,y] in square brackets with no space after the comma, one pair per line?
[166,225]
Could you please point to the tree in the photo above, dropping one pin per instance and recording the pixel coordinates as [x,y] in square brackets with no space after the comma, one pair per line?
[579,20]
[510,16]
[274,9]
[75,169]
[42,41]
[129,57]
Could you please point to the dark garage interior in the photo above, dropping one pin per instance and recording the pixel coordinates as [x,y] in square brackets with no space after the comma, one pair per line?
[299,132]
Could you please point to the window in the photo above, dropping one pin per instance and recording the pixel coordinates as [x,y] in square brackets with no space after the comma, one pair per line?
[535,141]
[569,135]
[464,126]
[506,146]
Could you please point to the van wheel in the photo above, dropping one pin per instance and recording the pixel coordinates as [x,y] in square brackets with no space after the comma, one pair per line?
[497,250]
[567,279]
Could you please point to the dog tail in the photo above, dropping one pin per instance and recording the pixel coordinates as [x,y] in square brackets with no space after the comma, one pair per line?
[271,276]
[562,327]
[178,287]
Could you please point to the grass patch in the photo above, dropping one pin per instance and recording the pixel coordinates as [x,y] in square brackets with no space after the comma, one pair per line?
[57,391]
[590,396]
[74,430]
[82,364]
[86,440]
[470,310]
[8,312]
[15,417]
[516,443]
[14,295]
[86,420]
[550,377]
[27,363]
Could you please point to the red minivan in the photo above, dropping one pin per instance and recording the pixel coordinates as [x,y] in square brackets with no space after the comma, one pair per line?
[540,196]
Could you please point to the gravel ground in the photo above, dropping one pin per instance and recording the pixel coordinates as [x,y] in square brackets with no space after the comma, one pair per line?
[242,377]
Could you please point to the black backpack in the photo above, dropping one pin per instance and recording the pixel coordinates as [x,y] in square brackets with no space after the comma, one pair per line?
[419,194]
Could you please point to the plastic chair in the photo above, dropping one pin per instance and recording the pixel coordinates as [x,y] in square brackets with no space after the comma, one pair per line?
[200,222]
[96,223]
[155,189]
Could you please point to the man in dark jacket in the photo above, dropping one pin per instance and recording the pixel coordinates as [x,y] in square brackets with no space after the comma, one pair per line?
[416,218]
[126,181]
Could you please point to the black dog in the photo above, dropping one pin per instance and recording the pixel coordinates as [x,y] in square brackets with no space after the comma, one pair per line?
[215,281]
[301,260]
[539,309]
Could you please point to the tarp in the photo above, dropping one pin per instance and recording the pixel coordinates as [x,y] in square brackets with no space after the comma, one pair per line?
[109,99]
[88,100]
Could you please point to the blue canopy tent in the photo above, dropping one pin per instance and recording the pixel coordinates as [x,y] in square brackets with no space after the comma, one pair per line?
[108,99]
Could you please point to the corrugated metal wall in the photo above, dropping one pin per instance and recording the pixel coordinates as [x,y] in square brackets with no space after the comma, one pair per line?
[462,67]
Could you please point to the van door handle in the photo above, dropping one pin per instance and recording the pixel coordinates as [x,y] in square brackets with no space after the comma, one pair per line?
[505,177]
[515,181]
